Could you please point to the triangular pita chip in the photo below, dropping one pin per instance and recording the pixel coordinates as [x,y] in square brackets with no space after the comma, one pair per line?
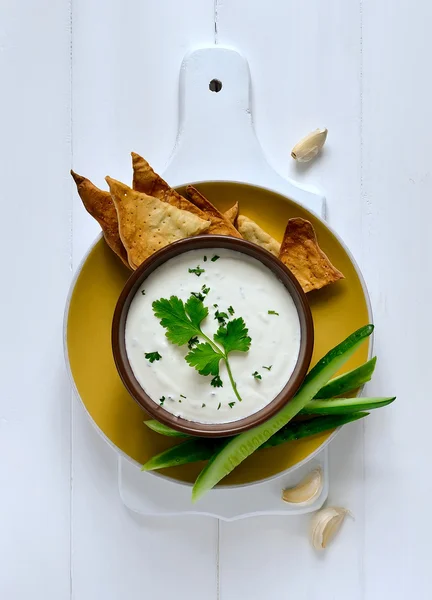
[220,225]
[253,233]
[301,253]
[232,213]
[147,224]
[148,182]
[100,205]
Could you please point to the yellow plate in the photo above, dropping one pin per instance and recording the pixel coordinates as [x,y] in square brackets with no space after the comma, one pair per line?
[337,310]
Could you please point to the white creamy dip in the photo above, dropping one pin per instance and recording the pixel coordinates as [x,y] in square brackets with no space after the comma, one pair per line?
[253,292]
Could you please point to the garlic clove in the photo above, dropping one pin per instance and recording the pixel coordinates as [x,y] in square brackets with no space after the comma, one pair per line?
[308,147]
[325,524]
[307,490]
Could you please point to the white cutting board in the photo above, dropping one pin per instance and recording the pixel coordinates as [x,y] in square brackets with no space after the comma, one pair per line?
[216,141]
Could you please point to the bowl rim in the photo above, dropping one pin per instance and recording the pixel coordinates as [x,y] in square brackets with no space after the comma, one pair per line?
[119,345]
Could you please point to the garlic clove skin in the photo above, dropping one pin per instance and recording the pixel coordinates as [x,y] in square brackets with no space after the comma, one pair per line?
[325,524]
[307,490]
[309,146]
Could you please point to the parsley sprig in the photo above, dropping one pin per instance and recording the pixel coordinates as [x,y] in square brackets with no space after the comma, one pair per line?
[182,321]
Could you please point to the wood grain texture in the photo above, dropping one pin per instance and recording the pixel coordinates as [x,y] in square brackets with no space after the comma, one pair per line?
[305,67]
[310,79]
[36,268]
[272,557]
[358,68]
[117,554]
[396,192]
[356,71]
[126,61]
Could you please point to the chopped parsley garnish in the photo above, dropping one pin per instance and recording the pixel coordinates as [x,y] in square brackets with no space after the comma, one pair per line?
[269,368]
[205,258]
[198,296]
[182,321]
[180,401]
[203,406]
[215,258]
[216,381]
[256,375]
[143,292]
[201,296]
[181,396]
[215,305]
[221,317]
[192,342]
[220,404]
[162,400]
[231,404]
[197,271]
[230,310]
[273,312]
[152,356]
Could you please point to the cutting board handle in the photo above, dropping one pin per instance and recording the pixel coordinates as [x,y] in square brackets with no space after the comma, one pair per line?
[216,138]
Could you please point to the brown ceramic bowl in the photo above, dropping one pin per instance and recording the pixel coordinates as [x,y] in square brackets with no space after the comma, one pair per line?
[119,345]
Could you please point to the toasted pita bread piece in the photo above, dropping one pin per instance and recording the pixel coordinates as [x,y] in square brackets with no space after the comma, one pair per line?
[301,253]
[232,213]
[148,182]
[100,205]
[253,233]
[220,225]
[147,224]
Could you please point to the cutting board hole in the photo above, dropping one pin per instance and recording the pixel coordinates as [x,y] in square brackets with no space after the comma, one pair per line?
[215,85]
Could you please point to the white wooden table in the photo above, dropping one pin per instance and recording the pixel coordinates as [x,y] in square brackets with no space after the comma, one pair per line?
[85,82]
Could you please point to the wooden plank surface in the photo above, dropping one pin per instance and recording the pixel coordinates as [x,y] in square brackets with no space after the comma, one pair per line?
[126,62]
[36,269]
[359,69]
[396,191]
[305,67]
